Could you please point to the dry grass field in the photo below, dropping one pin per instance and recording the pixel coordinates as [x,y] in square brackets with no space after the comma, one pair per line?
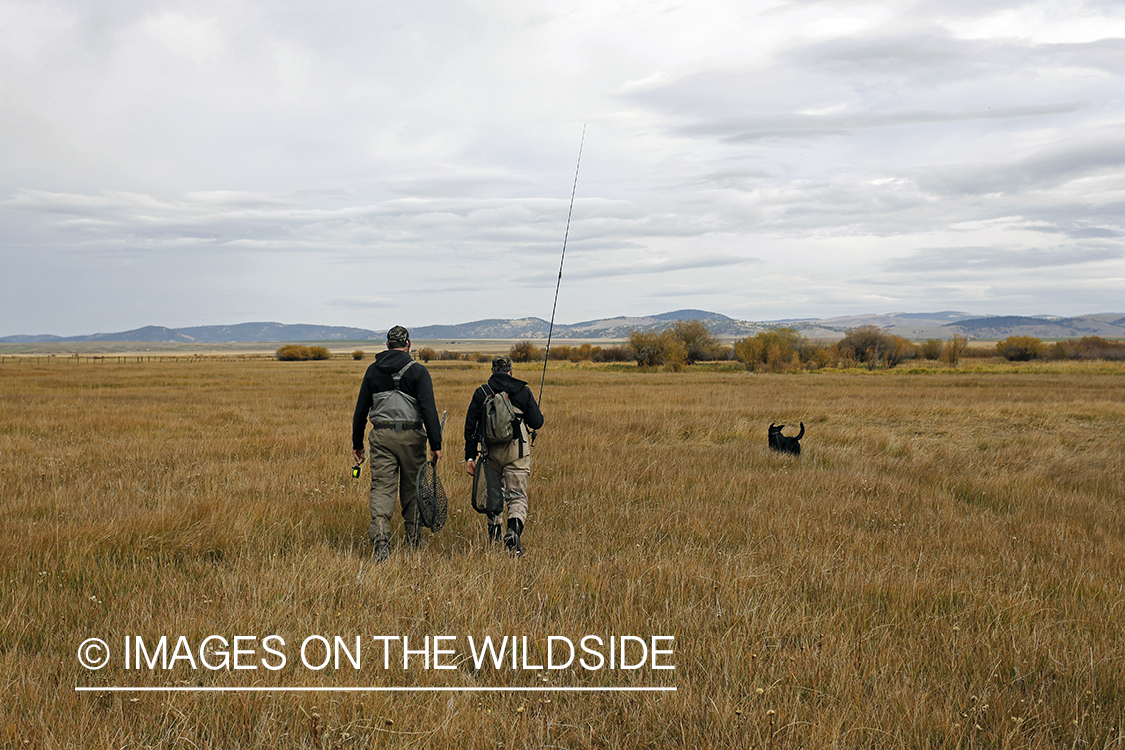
[944,567]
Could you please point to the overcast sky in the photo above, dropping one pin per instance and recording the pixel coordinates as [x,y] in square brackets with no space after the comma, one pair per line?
[370,163]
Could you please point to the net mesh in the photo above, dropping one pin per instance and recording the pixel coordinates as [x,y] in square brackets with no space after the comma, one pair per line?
[488,493]
[432,503]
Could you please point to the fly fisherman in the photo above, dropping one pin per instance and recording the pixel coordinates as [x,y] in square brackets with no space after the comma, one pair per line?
[509,458]
[397,397]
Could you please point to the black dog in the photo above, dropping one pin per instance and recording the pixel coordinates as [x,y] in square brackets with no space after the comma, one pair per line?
[783,444]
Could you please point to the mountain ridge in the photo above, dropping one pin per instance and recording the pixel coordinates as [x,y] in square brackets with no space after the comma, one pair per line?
[941,324]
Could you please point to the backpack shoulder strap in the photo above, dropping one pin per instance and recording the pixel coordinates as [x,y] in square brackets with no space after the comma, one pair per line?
[488,391]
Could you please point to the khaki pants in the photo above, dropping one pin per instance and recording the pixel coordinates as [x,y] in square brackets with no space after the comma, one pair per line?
[395,460]
[514,472]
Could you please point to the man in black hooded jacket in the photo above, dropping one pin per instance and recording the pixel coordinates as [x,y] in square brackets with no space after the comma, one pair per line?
[397,396]
[511,461]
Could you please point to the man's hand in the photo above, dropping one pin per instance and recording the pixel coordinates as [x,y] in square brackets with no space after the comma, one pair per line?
[359,456]
[436,456]
[470,467]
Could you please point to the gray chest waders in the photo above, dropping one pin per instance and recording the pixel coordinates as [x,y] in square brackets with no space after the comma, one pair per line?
[395,410]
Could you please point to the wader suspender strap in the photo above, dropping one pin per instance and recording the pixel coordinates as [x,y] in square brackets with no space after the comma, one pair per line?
[397,377]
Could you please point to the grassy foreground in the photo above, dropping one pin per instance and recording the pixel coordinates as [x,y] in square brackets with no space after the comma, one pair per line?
[943,567]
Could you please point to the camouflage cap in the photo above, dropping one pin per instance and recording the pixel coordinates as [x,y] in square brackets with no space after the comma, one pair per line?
[397,337]
[502,363]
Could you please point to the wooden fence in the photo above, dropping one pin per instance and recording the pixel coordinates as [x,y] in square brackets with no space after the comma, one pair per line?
[93,359]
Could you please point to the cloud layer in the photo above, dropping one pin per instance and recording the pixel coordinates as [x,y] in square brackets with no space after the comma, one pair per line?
[355,164]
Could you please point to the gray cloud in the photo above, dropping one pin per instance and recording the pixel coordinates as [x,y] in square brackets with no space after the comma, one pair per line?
[591,269]
[364,303]
[809,126]
[1076,232]
[1047,168]
[976,260]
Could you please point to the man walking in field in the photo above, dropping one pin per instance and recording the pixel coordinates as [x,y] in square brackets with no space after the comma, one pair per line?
[397,397]
[508,455]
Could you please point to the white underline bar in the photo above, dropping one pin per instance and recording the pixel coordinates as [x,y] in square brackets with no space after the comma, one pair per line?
[238,689]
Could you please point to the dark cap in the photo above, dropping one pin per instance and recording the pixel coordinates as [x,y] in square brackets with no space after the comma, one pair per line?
[397,337]
[502,363]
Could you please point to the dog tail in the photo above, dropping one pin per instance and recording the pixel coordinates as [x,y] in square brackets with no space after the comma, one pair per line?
[801,434]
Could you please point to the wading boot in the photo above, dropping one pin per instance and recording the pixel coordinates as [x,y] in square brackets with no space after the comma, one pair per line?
[495,533]
[382,551]
[512,537]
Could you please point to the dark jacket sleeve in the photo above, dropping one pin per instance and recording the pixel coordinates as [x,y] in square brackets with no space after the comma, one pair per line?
[424,393]
[362,407]
[472,425]
[523,400]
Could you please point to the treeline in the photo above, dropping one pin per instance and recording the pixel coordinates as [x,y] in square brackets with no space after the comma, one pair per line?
[1027,348]
[786,349]
[779,349]
[687,342]
[871,346]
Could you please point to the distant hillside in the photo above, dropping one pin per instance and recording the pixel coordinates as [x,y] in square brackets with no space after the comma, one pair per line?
[1106,325]
[148,334]
[492,328]
[241,333]
[692,315]
[607,328]
[276,332]
[909,325]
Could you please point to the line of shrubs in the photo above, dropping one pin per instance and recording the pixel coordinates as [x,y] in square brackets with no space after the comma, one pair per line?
[427,353]
[777,349]
[786,349]
[871,346]
[525,351]
[686,342]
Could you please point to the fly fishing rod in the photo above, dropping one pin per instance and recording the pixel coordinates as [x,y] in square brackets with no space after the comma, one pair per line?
[566,235]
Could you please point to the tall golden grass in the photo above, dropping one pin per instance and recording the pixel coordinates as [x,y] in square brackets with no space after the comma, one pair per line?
[942,568]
